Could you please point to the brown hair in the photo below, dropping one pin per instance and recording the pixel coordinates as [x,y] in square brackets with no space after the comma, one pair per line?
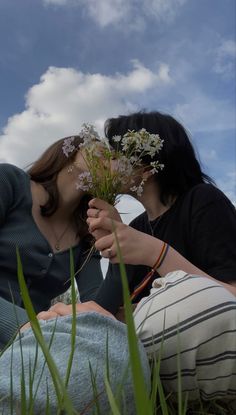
[45,171]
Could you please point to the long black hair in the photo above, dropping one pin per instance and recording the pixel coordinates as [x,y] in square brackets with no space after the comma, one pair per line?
[181,170]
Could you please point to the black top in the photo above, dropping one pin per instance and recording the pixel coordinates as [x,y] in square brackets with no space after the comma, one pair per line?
[201,226]
[47,274]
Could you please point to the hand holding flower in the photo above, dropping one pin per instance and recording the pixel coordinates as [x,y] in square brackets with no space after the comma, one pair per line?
[102,209]
[136,247]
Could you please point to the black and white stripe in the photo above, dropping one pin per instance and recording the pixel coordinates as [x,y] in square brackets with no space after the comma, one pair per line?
[191,319]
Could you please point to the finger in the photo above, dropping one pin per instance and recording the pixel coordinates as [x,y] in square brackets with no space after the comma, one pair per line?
[106,224]
[46,315]
[61,309]
[106,210]
[92,306]
[108,253]
[25,326]
[97,203]
[104,243]
[100,233]
[59,303]
[93,213]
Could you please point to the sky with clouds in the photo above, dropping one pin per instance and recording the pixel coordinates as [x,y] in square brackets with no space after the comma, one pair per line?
[65,62]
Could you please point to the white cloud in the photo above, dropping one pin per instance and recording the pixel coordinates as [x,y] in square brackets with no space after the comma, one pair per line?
[106,12]
[65,98]
[130,12]
[209,155]
[57,2]
[162,10]
[225,63]
[200,112]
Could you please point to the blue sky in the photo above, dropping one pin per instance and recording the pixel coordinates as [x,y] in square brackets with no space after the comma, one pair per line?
[63,62]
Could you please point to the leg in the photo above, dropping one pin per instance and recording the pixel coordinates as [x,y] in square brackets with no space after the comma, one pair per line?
[195,318]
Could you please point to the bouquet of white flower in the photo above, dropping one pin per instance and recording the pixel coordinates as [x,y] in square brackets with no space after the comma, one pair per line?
[109,169]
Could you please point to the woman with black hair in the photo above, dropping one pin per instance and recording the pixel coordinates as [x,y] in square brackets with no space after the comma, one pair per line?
[183,249]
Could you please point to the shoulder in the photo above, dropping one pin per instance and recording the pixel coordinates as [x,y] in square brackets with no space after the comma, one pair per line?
[204,194]
[13,182]
[11,172]
[140,221]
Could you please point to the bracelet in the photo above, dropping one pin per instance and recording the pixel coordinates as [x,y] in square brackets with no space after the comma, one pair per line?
[161,256]
[148,277]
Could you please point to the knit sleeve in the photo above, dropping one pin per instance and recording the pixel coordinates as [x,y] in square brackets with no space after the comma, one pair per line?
[6,190]
[11,318]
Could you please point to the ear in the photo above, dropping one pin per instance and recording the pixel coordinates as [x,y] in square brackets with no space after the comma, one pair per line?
[146,173]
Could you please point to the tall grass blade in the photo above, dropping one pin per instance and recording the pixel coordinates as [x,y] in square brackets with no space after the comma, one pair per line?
[59,386]
[96,403]
[111,398]
[73,324]
[142,401]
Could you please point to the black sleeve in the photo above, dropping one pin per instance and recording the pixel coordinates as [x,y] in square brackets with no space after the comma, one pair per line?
[89,277]
[11,318]
[213,235]
[110,294]
[6,190]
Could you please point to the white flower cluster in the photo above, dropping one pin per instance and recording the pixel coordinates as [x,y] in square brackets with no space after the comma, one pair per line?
[141,142]
[108,169]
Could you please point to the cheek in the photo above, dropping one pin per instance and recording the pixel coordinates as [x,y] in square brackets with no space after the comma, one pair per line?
[80,164]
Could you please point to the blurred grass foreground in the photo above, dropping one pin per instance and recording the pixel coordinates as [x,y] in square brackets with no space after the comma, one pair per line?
[130,393]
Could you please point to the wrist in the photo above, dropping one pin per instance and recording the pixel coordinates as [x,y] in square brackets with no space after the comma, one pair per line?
[153,248]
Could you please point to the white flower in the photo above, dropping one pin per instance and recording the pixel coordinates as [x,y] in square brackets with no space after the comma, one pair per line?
[116,138]
[156,166]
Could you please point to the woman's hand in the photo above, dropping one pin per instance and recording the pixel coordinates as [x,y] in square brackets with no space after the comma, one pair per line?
[100,209]
[136,247]
[62,309]
[43,315]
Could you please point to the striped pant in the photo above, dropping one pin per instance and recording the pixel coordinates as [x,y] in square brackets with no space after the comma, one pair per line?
[191,321]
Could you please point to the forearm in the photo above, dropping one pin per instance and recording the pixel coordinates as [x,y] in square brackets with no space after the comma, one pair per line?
[174,261]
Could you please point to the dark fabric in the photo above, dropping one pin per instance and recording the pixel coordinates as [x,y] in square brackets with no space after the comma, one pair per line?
[11,318]
[201,226]
[47,274]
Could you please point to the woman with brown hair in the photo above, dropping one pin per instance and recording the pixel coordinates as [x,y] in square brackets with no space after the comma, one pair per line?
[44,215]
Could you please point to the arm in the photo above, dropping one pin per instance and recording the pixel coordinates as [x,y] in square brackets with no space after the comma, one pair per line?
[110,293]
[139,248]
[213,234]
[12,318]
